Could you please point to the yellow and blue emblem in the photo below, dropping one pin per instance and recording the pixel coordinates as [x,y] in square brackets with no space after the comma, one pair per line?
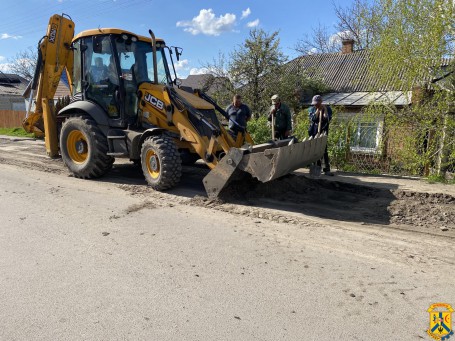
[440,321]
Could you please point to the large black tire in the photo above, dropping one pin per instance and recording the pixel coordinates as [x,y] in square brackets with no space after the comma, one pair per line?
[161,163]
[84,148]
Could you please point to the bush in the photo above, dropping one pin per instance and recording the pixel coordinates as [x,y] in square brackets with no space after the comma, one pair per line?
[259,130]
[301,125]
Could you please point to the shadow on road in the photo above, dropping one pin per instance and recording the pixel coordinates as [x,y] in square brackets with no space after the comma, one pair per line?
[130,174]
[319,197]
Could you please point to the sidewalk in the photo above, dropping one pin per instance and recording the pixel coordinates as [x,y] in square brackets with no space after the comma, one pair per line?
[412,184]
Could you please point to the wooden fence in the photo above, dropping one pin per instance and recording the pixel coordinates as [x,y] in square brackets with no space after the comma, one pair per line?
[11,118]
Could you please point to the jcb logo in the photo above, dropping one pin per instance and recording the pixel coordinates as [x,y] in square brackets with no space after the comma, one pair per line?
[53,33]
[154,101]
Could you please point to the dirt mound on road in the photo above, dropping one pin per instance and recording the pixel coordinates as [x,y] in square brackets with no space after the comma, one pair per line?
[346,201]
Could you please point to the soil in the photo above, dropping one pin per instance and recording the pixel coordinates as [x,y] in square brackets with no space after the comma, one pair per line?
[294,199]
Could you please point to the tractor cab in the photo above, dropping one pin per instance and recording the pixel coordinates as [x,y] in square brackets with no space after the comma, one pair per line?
[110,64]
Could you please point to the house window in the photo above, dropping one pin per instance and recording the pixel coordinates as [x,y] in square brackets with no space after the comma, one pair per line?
[367,137]
[19,106]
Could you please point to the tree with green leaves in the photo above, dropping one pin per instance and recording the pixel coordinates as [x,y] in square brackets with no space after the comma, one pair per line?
[221,84]
[413,41]
[258,56]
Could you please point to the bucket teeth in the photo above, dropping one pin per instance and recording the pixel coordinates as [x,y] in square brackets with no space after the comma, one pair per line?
[222,174]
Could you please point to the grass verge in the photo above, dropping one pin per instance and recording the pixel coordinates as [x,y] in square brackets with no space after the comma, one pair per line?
[15,132]
[432,179]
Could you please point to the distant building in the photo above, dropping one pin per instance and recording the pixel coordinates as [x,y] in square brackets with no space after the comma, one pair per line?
[207,83]
[11,88]
[352,88]
[63,90]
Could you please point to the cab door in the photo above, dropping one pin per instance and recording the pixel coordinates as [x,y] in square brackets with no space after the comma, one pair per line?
[100,76]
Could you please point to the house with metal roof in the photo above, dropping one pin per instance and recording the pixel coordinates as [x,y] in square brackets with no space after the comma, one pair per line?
[208,83]
[352,88]
[11,88]
[63,90]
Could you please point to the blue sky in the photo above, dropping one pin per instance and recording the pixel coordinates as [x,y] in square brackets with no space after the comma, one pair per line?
[203,28]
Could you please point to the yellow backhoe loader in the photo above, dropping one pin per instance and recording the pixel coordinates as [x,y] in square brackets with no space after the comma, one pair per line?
[125,103]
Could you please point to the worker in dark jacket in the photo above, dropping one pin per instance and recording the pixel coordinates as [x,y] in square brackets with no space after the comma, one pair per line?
[320,116]
[283,120]
[239,114]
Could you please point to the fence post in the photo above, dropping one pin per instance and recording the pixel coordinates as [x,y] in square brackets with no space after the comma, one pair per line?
[441,151]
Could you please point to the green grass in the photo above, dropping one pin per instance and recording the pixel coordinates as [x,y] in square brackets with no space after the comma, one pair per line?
[15,132]
[432,179]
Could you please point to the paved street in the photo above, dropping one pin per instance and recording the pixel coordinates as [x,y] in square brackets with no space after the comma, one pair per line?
[105,260]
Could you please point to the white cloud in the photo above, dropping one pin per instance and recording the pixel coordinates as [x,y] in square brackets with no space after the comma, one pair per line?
[199,71]
[207,23]
[5,67]
[181,65]
[8,36]
[246,13]
[182,68]
[339,36]
[253,23]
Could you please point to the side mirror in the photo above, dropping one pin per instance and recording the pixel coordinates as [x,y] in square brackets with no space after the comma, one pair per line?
[178,52]
[178,82]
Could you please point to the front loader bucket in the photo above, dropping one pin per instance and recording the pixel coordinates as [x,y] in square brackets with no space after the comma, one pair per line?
[265,162]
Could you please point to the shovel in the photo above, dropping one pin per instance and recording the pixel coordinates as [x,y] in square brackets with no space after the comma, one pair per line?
[315,169]
[273,127]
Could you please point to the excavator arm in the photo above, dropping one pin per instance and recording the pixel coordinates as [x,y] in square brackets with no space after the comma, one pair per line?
[54,55]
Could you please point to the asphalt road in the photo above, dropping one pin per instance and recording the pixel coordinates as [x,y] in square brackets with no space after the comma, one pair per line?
[101,260]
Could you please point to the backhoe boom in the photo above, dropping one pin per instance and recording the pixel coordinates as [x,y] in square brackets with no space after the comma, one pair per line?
[54,54]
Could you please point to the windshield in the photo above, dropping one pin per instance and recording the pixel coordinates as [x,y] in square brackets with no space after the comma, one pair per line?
[136,62]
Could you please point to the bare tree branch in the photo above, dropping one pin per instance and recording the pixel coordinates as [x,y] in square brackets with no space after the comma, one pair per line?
[24,63]
[320,41]
[354,22]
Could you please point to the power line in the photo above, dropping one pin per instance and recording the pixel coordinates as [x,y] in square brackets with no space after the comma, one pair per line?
[29,23]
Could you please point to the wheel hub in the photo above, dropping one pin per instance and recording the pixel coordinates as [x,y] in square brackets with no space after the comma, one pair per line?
[153,163]
[81,147]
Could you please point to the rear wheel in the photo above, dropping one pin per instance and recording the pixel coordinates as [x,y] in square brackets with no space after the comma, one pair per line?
[161,163]
[84,148]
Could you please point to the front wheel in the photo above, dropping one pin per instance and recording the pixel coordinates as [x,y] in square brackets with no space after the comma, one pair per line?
[84,148]
[161,163]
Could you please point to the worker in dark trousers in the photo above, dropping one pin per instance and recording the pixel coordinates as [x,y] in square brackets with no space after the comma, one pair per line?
[282,118]
[320,116]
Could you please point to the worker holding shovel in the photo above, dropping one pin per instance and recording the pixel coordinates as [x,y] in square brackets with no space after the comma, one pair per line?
[280,116]
[320,116]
